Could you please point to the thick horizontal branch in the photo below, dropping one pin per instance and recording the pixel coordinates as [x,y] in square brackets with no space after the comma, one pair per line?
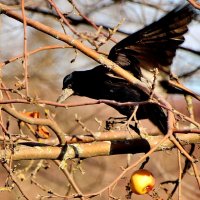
[105,136]
[35,151]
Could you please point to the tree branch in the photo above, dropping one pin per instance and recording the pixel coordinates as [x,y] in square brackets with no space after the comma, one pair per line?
[35,151]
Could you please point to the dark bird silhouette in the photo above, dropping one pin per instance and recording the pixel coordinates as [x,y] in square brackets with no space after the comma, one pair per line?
[97,84]
[153,46]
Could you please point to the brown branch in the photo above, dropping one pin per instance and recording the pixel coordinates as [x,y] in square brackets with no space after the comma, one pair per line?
[35,151]
[186,130]
[187,118]
[192,136]
[25,63]
[49,191]
[109,102]
[52,3]
[195,3]
[76,104]
[183,88]
[2,64]
[179,175]
[190,73]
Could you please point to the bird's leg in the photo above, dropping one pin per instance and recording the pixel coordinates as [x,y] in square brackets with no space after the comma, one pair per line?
[114,120]
[135,127]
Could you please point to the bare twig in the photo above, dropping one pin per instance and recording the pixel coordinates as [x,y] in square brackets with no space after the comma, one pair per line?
[2,64]
[15,180]
[195,3]
[25,63]
[90,21]
[179,175]
[71,181]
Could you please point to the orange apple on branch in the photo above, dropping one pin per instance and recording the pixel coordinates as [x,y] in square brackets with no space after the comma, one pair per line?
[142,181]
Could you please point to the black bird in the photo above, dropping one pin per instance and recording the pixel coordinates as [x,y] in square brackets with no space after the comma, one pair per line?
[153,46]
[97,84]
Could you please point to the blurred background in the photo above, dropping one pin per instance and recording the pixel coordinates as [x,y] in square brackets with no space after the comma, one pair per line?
[48,68]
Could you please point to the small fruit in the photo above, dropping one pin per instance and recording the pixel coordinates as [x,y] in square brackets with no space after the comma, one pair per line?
[142,181]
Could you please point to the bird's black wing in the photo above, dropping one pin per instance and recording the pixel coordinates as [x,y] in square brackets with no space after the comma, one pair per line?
[155,45]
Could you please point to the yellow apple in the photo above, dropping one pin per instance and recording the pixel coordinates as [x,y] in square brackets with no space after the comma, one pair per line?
[142,181]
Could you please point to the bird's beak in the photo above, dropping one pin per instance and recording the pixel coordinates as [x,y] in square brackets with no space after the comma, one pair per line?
[66,93]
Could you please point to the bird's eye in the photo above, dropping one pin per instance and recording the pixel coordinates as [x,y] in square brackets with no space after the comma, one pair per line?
[69,85]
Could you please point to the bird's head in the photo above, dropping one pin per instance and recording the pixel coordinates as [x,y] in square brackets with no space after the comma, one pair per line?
[82,83]
[69,80]
[69,83]
[79,83]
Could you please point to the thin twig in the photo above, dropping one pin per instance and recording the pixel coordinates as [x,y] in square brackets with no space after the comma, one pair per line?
[71,181]
[14,179]
[25,63]
[174,140]
[2,64]
[179,176]
[90,21]
[195,3]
